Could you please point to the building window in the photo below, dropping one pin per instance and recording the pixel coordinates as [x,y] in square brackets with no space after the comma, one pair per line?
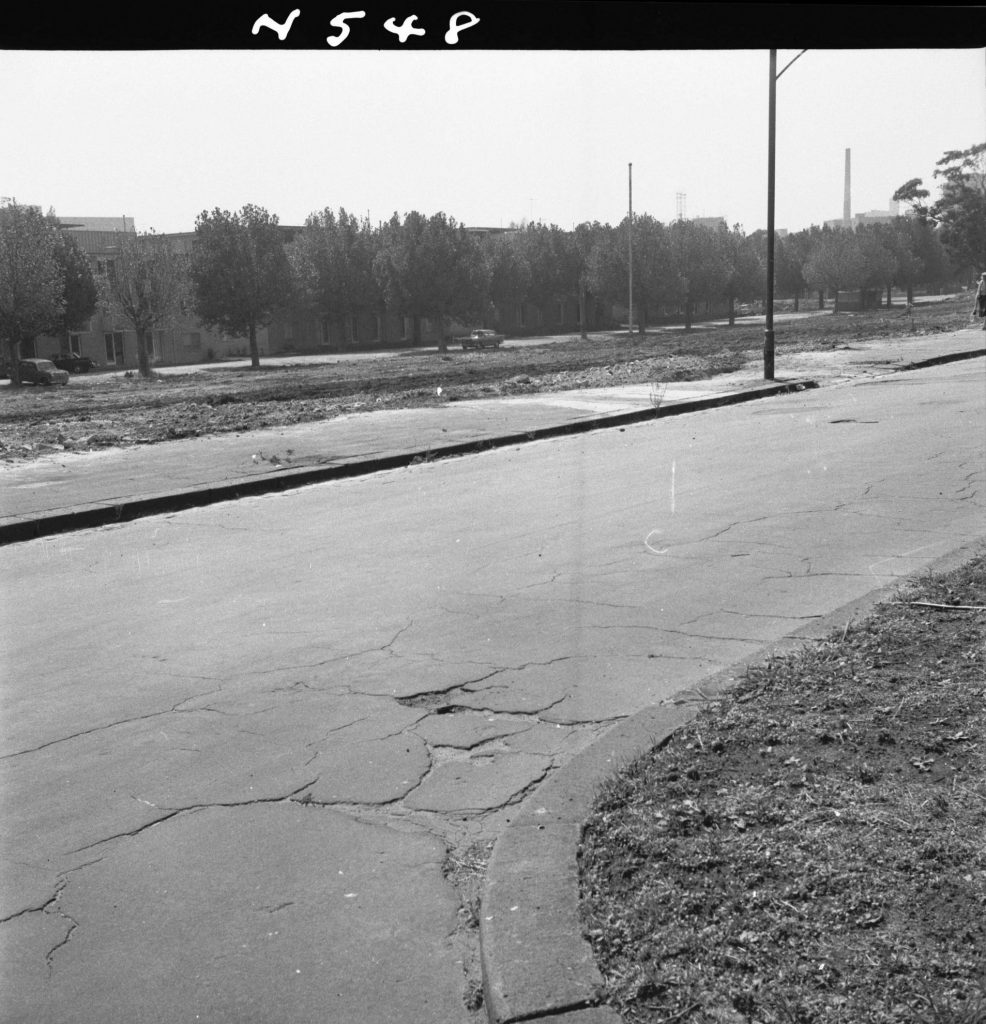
[377,328]
[353,330]
[75,344]
[114,347]
[405,327]
[521,315]
[559,312]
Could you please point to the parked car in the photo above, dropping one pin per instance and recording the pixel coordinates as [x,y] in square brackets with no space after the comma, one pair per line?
[482,338]
[73,363]
[41,371]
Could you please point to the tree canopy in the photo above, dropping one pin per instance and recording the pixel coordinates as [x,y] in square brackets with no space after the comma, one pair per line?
[332,262]
[836,262]
[239,271]
[960,211]
[743,270]
[80,289]
[32,282]
[431,267]
[145,283]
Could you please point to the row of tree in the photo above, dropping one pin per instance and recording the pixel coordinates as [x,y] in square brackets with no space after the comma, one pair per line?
[243,268]
[46,281]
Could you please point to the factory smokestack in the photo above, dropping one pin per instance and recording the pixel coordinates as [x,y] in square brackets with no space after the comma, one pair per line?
[847,200]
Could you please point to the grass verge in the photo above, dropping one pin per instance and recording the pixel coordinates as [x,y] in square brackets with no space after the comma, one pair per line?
[813,846]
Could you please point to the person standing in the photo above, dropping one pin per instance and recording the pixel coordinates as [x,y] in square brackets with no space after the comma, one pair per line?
[980,307]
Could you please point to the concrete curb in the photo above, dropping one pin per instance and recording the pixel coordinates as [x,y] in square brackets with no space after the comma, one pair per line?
[535,962]
[87,516]
[952,357]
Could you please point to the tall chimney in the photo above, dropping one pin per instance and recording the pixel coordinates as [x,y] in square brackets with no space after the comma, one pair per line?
[846,202]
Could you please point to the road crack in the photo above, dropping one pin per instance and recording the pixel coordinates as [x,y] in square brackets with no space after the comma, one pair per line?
[175,709]
[191,809]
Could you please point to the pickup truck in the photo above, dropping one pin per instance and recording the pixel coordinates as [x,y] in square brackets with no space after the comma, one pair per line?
[482,338]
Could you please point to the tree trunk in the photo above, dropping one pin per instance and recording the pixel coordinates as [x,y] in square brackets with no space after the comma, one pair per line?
[254,351]
[582,312]
[11,351]
[797,299]
[732,311]
[688,312]
[143,363]
[416,330]
[910,295]
[440,320]
[821,298]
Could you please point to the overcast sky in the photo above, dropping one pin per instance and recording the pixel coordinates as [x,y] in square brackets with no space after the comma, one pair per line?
[488,137]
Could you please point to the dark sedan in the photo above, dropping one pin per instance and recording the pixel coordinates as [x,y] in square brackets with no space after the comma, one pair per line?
[73,363]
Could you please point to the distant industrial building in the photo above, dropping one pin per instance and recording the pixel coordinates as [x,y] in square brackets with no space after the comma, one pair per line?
[710,222]
[847,220]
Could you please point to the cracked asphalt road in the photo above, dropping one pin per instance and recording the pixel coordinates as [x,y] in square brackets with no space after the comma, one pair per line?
[244,746]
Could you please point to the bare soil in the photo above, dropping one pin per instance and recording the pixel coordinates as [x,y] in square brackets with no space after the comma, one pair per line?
[812,848]
[101,410]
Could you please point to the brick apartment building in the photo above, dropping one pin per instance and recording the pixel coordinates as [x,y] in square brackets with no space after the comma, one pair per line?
[110,341]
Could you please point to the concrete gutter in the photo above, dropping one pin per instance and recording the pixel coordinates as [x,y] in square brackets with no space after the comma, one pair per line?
[536,964]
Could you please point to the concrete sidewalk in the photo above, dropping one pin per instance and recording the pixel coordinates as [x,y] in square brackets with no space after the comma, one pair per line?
[70,491]
[78,491]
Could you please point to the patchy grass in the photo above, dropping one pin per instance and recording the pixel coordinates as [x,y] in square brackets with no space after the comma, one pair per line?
[102,410]
[812,847]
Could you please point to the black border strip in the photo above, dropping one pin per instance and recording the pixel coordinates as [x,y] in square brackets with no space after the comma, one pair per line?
[501,25]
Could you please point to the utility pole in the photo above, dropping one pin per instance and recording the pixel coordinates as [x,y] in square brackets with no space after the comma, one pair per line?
[630,236]
[768,335]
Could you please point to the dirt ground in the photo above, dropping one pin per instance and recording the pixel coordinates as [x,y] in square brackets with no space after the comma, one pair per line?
[101,410]
[813,847]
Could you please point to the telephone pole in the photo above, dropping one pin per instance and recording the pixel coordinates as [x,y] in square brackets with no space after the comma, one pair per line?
[630,236]
[768,334]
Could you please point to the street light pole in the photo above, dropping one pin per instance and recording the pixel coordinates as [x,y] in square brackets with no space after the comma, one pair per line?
[768,336]
[630,236]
